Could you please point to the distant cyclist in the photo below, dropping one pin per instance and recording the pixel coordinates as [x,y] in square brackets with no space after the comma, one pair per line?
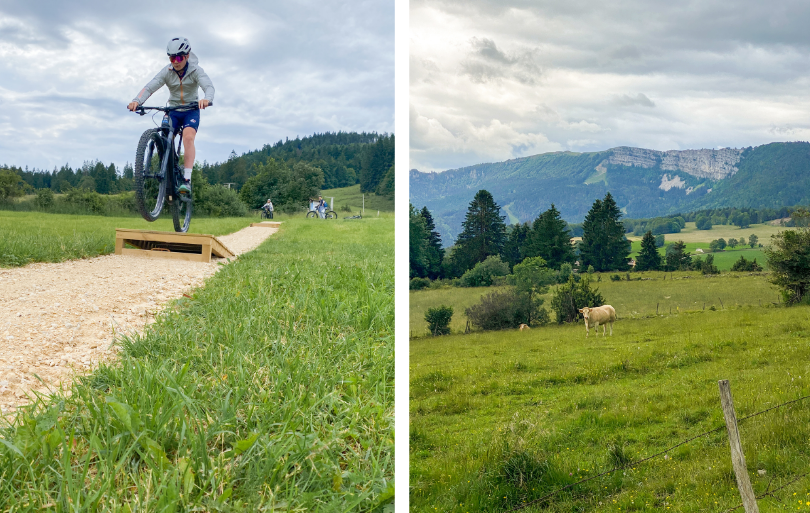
[182,77]
[322,206]
[268,207]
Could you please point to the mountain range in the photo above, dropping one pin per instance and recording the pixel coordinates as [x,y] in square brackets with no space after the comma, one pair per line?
[645,183]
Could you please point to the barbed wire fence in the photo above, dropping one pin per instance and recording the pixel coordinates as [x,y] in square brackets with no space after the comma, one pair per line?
[632,464]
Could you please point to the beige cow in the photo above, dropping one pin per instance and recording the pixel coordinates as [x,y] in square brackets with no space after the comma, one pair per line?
[599,315]
[524,327]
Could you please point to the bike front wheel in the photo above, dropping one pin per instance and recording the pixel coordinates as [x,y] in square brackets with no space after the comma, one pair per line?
[150,181]
[331,215]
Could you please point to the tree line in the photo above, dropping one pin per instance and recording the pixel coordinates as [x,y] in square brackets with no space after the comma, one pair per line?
[604,246]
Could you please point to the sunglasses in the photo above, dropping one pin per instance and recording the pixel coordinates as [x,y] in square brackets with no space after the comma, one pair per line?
[177,57]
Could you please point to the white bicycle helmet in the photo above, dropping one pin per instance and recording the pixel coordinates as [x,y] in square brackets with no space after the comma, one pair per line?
[178,45]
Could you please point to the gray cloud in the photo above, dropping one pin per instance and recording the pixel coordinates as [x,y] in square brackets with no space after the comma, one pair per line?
[281,69]
[633,72]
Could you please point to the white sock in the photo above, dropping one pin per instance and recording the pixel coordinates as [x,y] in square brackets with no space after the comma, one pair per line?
[187,173]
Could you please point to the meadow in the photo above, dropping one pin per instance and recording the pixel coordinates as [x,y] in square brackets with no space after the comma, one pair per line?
[643,296]
[40,237]
[353,198]
[270,388]
[499,419]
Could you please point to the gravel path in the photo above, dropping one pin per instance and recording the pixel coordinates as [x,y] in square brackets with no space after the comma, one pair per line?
[57,319]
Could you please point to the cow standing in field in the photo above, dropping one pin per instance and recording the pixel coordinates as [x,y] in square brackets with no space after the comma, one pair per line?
[524,327]
[598,315]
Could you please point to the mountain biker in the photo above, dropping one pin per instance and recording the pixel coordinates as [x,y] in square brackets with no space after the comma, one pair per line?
[268,207]
[183,76]
[322,206]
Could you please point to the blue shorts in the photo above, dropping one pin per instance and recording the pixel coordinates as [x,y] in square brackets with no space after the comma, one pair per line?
[189,118]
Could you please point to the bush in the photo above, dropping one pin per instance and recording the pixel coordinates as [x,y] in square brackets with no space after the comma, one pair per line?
[345,208]
[438,319]
[743,265]
[44,198]
[419,283]
[708,266]
[90,201]
[571,296]
[504,310]
[218,201]
[482,274]
[789,260]
[615,277]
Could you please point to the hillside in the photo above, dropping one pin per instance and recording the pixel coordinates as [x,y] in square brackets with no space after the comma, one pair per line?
[645,183]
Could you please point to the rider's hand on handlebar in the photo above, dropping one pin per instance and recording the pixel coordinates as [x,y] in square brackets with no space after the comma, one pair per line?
[203,104]
[132,106]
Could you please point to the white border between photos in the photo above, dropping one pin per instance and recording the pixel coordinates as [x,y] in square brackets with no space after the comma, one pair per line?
[401,109]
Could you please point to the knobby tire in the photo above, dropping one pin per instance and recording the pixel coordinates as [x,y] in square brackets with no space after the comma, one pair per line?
[149,189]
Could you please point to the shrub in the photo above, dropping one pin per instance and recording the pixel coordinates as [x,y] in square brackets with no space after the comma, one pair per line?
[789,260]
[482,274]
[571,296]
[419,283]
[345,208]
[44,198]
[438,319]
[659,241]
[90,201]
[708,266]
[565,272]
[218,201]
[615,277]
[744,265]
[504,310]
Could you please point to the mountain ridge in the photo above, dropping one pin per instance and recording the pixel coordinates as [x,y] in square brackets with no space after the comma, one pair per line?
[645,183]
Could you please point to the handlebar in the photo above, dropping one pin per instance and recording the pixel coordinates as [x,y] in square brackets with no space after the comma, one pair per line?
[188,106]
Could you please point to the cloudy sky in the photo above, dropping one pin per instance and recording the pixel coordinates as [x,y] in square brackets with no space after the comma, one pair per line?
[493,80]
[280,69]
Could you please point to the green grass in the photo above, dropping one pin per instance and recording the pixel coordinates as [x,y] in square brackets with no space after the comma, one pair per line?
[38,237]
[501,418]
[636,298]
[271,388]
[724,260]
[354,198]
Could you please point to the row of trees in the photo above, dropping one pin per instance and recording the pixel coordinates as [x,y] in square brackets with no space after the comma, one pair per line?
[92,176]
[484,234]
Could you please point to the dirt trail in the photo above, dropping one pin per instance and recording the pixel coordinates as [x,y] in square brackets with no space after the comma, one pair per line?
[57,319]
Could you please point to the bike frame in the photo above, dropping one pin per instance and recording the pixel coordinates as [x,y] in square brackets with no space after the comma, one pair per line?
[168,167]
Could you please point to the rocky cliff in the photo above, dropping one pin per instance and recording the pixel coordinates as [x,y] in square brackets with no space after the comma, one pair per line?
[711,164]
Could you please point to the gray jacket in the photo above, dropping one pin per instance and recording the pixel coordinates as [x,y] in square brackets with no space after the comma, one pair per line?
[183,90]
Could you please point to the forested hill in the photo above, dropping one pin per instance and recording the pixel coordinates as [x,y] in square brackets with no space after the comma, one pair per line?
[346,158]
[644,183]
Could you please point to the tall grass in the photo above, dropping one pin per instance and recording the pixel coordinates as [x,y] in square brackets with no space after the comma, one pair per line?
[499,419]
[27,237]
[271,388]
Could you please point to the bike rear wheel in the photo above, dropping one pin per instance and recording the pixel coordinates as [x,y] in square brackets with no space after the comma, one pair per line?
[150,183]
[311,214]
[331,215]
[181,214]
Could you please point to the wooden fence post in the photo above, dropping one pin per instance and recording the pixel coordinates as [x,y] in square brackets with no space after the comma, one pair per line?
[721,303]
[656,306]
[737,457]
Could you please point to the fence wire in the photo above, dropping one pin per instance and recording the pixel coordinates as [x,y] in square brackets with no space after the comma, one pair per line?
[638,462]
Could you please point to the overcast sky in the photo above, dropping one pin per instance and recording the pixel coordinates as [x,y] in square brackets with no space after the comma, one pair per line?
[280,69]
[494,80]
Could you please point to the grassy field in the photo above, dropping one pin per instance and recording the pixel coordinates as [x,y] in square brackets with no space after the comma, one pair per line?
[499,419]
[352,197]
[38,237]
[270,389]
[679,291]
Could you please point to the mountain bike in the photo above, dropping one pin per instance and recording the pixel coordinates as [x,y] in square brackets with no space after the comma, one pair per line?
[158,171]
[330,214]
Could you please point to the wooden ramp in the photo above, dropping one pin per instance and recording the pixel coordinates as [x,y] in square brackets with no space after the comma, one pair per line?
[267,224]
[192,247]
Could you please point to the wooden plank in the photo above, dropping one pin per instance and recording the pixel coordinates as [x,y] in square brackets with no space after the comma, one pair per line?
[119,244]
[188,257]
[187,243]
[737,457]
[267,224]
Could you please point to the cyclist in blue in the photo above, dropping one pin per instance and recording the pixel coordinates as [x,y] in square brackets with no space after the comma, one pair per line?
[182,77]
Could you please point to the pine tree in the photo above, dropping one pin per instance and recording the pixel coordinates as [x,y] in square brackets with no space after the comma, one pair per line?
[648,259]
[604,245]
[434,252]
[417,244]
[516,235]
[483,232]
[550,239]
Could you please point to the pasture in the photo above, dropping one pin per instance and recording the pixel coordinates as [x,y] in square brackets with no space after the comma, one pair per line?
[678,291]
[268,389]
[39,237]
[499,419]
[352,197]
